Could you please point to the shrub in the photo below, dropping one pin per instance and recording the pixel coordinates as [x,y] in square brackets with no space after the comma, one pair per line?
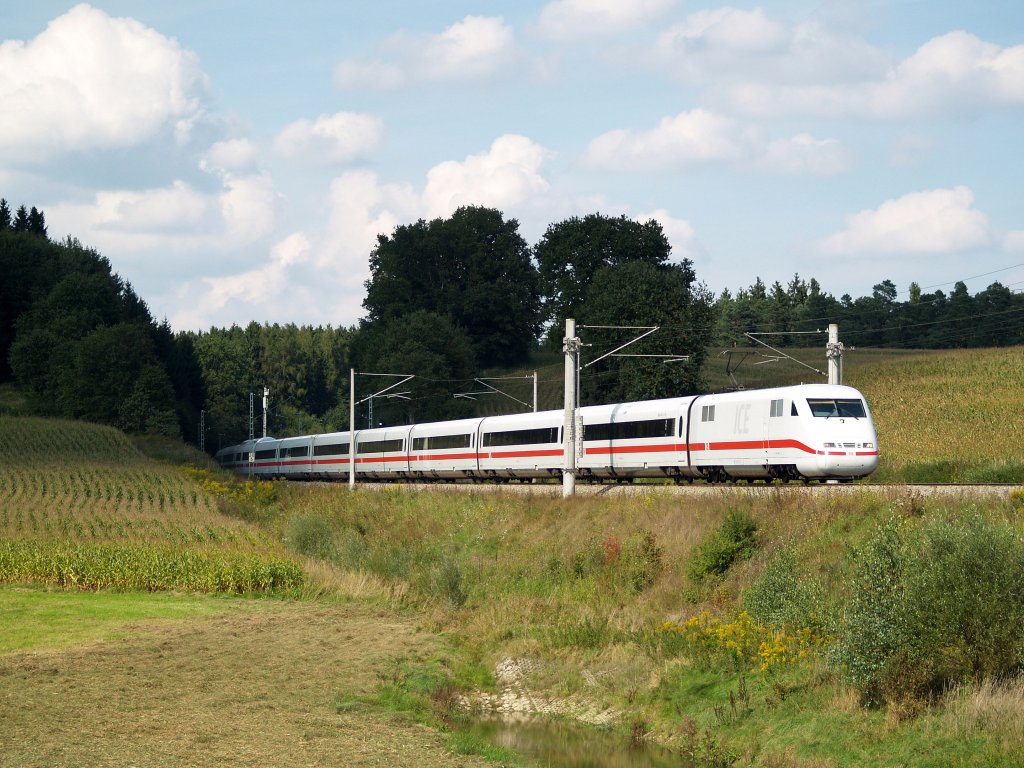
[644,560]
[781,597]
[735,539]
[932,604]
[449,583]
[311,535]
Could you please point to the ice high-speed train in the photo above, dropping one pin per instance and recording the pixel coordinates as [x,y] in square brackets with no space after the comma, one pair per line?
[811,432]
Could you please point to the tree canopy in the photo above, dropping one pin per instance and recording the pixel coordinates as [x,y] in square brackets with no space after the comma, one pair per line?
[79,340]
[572,253]
[448,300]
[473,267]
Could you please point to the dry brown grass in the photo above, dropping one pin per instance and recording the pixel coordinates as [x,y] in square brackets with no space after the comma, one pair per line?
[991,707]
[248,689]
[327,579]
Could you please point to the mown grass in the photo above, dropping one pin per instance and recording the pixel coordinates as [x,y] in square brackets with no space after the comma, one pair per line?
[36,619]
[82,507]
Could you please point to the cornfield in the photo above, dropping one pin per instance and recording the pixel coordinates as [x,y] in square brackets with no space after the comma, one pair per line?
[81,507]
[963,409]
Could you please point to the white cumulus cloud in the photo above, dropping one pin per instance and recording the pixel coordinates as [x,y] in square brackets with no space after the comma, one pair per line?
[578,19]
[506,175]
[937,221]
[955,73]
[732,47]
[475,48]
[680,233]
[247,206]
[230,155]
[690,138]
[337,138]
[701,137]
[178,208]
[92,81]
[260,285]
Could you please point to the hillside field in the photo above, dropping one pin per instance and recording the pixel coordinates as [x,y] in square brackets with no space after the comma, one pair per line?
[81,506]
[873,628]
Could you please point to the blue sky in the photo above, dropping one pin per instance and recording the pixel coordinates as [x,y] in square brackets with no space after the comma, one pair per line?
[236,160]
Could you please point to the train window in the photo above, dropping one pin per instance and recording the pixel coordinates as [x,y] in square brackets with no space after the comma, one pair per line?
[440,442]
[707,413]
[851,408]
[776,408]
[521,437]
[628,430]
[829,407]
[266,453]
[792,409]
[297,451]
[380,446]
[419,443]
[330,449]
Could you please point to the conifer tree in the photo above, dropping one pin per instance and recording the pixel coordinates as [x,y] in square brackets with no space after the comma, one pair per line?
[21,219]
[37,222]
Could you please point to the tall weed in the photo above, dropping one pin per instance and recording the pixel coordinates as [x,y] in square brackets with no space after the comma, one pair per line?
[735,539]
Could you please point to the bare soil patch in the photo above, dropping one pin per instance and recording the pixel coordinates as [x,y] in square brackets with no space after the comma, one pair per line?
[253,688]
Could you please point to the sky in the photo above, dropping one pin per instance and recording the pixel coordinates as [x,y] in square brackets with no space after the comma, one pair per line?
[235,160]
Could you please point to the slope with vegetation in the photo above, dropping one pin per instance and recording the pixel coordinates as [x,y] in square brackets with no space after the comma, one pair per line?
[81,507]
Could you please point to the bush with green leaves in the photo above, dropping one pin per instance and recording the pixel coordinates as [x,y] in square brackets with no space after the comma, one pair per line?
[784,597]
[735,539]
[311,534]
[934,602]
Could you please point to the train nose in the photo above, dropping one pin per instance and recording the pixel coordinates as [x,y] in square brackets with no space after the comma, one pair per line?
[851,459]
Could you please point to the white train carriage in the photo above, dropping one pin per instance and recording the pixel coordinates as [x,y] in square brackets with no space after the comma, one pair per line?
[294,457]
[785,433]
[627,440]
[265,457]
[814,431]
[445,450]
[383,453]
[525,445]
[330,455]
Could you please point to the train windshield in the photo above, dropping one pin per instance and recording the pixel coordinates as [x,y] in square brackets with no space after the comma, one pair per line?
[837,407]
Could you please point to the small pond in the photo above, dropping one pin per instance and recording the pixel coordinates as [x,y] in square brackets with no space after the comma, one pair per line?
[557,744]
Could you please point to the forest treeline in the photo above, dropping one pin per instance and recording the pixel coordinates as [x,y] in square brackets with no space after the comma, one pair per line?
[448,300]
[792,314]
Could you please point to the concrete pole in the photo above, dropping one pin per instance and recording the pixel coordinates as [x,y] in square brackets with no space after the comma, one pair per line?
[571,349]
[352,428]
[266,396]
[534,391]
[834,353]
